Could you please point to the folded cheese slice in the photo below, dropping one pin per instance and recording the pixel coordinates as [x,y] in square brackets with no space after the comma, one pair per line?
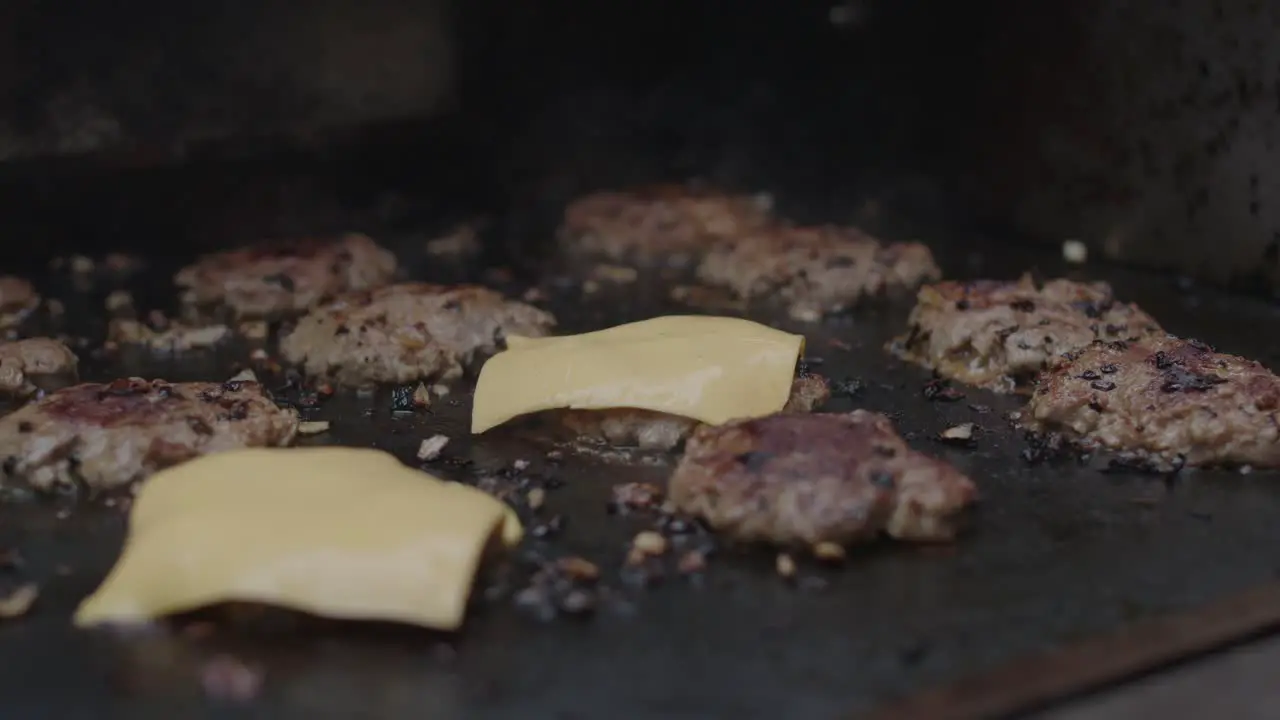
[337,532]
[711,369]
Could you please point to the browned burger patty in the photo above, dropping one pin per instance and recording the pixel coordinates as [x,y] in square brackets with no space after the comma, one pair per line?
[651,430]
[29,366]
[288,277]
[108,436]
[18,298]
[659,225]
[816,270]
[797,479]
[998,335]
[407,332]
[1164,399]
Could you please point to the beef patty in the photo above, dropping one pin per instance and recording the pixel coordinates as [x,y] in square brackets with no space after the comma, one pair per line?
[816,270]
[797,479]
[659,225]
[29,366]
[108,436]
[407,332]
[18,298]
[997,335]
[1164,399]
[649,430]
[286,278]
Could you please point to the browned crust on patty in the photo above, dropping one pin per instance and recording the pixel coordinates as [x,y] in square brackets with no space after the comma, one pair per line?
[407,332]
[658,225]
[801,479]
[649,430]
[107,436]
[1164,399]
[817,270]
[28,366]
[997,335]
[288,277]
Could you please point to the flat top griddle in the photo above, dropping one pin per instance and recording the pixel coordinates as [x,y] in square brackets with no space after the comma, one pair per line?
[1057,551]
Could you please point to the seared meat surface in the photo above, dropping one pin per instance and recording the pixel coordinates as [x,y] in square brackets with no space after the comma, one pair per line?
[107,436]
[816,270]
[28,366]
[998,335]
[407,332]
[1164,399]
[659,225]
[651,430]
[799,479]
[18,298]
[286,278]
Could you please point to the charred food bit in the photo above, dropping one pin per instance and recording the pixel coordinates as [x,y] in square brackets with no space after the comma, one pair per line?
[313,427]
[657,225]
[809,479]
[286,278]
[998,335]
[19,601]
[177,337]
[460,242]
[635,496]
[651,430]
[817,270]
[1165,399]
[961,434]
[119,302]
[29,366]
[110,435]
[18,299]
[407,333]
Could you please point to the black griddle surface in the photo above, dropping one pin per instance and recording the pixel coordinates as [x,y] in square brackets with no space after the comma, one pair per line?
[1056,551]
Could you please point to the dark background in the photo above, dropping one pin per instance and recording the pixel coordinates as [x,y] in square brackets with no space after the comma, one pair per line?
[1144,127]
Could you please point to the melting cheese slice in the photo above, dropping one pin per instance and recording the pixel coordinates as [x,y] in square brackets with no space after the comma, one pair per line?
[711,369]
[336,532]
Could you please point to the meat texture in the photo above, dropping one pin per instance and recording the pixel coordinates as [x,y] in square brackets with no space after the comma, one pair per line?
[668,225]
[999,335]
[407,332]
[649,430]
[286,278]
[817,270]
[105,436]
[1164,400]
[18,298]
[29,366]
[797,479]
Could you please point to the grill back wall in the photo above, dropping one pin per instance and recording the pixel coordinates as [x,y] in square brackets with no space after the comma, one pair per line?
[1143,127]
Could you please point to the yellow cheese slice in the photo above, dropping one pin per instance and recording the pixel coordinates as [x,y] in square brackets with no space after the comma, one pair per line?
[711,369]
[337,532]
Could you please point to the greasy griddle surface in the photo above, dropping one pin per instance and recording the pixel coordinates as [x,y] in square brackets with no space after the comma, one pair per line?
[1056,552]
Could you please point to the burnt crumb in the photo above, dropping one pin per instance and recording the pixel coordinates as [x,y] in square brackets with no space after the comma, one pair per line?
[1103,385]
[402,398]
[1162,361]
[1177,379]
[1109,369]
[1047,447]
[849,387]
[755,460]
[1089,375]
[281,279]
[634,496]
[1145,464]
[940,390]
[963,435]
[233,386]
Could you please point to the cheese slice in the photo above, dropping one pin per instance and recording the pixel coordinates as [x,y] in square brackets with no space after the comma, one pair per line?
[711,369]
[337,532]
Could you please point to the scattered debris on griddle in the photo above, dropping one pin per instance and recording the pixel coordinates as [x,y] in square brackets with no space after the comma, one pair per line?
[245,375]
[619,274]
[940,390]
[633,497]
[230,679]
[692,563]
[1047,447]
[18,601]
[460,242]
[963,435]
[705,298]
[535,498]
[829,552]
[421,396]
[785,566]
[1145,464]
[11,559]
[650,543]
[253,330]
[553,527]
[313,427]
[119,302]
[566,586]
[980,409]
[849,387]
[174,337]
[431,448]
